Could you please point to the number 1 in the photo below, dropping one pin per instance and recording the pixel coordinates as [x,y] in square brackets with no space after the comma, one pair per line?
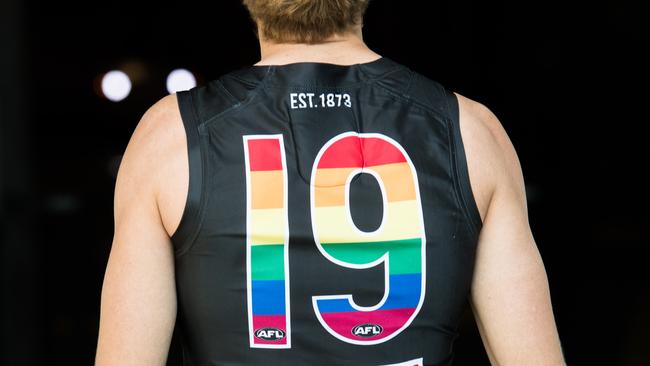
[267,255]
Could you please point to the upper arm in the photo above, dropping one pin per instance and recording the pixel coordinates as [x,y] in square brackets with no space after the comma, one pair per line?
[138,303]
[509,294]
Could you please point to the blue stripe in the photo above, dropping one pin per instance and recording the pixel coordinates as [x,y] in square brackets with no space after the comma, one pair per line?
[404,294]
[268,297]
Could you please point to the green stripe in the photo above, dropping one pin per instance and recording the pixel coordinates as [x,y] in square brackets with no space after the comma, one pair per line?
[405,255]
[267,262]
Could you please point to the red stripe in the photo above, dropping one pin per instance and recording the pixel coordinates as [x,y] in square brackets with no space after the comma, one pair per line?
[357,152]
[264,154]
[270,321]
[378,152]
[344,153]
[391,321]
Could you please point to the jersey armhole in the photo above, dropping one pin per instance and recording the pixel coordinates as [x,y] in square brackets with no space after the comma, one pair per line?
[185,234]
[459,162]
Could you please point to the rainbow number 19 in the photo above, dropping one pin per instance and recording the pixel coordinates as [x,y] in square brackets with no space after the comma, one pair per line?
[398,243]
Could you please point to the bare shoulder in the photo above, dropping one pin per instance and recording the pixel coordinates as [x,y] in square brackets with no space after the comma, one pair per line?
[138,305]
[509,294]
[155,165]
[491,157]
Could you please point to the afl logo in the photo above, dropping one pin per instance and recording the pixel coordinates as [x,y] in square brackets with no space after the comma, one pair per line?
[367,330]
[269,334]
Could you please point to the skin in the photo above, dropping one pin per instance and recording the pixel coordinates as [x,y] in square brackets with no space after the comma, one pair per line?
[509,295]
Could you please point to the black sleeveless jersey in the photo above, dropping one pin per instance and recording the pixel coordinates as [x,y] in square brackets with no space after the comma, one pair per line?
[329,220]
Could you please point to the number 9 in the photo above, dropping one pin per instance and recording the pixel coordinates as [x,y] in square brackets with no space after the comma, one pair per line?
[398,243]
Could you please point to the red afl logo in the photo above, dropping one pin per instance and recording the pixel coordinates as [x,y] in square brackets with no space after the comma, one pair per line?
[367,330]
[270,334]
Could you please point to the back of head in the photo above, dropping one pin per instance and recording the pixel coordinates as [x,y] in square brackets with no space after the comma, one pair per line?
[305,21]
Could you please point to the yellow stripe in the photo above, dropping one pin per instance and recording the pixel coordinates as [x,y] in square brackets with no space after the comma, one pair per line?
[402,222]
[267,226]
[267,189]
[330,183]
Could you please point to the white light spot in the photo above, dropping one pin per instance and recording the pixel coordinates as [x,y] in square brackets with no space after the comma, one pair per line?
[116,85]
[180,79]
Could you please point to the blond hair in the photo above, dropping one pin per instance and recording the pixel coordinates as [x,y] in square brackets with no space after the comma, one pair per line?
[305,21]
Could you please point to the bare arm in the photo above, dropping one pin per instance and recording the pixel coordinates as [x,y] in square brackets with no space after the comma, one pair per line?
[138,305]
[510,295]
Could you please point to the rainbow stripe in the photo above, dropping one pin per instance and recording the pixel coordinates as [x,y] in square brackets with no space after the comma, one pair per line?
[267,240]
[399,241]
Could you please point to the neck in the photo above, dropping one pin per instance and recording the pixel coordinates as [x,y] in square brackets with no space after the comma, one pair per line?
[344,49]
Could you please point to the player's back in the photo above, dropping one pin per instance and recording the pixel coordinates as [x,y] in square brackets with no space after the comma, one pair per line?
[330,218]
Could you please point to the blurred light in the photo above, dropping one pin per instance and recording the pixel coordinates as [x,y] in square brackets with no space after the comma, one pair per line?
[180,79]
[116,85]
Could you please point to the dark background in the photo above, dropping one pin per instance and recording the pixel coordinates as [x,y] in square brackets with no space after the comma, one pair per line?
[566,81]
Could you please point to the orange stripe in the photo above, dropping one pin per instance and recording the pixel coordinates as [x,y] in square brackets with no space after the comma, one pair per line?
[329,196]
[398,180]
[267,189]
[330,183]
[328,177]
